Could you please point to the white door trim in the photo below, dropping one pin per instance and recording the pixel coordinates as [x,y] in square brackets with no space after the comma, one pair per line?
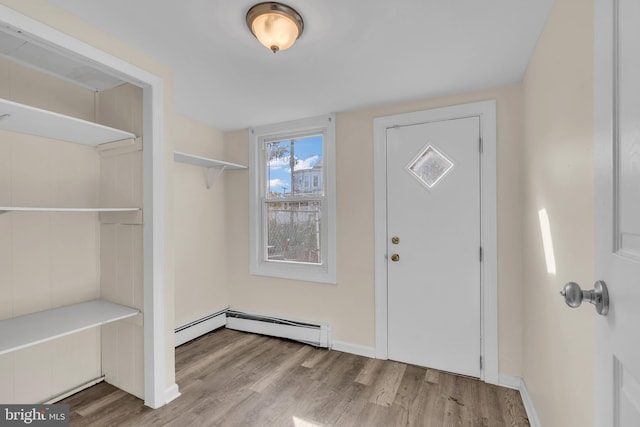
[157,391]
[486,111]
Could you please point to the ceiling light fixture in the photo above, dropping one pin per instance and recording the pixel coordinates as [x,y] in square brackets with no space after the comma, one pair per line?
[275,25]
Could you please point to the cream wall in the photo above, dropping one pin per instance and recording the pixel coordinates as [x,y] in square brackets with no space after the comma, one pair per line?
[43,11]
[349,305]
[201,284]
[558,356]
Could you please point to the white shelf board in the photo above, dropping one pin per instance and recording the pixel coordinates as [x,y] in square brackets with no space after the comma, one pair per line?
[30,329]
[27,209]
[204,161]
[22,118]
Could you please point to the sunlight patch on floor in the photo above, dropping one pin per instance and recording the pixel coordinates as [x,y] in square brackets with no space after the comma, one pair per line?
[299,422]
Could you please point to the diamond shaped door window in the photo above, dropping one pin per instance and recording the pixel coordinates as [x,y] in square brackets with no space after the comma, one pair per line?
[430,166]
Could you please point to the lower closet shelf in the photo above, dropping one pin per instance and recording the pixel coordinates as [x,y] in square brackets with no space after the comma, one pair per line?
[30,329]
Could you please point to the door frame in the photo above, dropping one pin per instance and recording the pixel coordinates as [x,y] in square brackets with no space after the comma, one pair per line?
[158,390]
[486,111]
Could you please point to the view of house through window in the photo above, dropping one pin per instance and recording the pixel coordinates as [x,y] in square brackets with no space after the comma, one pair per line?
[293,199]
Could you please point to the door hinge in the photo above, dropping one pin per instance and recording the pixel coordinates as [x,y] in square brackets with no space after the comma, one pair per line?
[481,254]
[480,362]
[480,147]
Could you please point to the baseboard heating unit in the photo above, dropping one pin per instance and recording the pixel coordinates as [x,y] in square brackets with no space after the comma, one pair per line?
[316,334]
[193,330]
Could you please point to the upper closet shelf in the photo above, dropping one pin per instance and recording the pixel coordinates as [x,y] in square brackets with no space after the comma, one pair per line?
[205,162]
[35,121]
[210,164]
[4,209]
[30,329]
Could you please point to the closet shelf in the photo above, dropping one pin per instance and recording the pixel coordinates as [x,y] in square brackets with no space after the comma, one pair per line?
[4,209]
[205,162]
[22,118]
[30,329]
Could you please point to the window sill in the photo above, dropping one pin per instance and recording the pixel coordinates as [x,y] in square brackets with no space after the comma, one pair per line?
[295,271]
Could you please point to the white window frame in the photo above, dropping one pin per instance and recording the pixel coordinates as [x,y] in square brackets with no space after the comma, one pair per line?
[259,265]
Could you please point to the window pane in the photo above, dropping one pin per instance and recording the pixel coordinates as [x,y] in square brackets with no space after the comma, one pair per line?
[294,231]
[430,166]
[294,167]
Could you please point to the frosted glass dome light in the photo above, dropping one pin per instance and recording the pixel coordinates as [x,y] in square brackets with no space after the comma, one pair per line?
[275,25]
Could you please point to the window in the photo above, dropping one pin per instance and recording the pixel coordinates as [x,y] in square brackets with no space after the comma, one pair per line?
[292,205]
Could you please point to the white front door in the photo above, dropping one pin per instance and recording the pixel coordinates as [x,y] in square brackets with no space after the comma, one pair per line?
[433,235]
[617,91]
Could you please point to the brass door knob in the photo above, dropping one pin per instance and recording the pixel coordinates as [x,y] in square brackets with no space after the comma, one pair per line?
[395,240]
[395,257]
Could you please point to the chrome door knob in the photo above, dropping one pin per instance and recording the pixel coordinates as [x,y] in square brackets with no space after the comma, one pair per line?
[599,296]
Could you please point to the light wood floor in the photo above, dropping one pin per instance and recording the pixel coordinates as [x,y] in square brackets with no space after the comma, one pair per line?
[229,378]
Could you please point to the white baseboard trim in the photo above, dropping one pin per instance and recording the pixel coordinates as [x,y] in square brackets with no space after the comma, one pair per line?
[357,349]
[517,383]
[509,381]
[171,393]
[193,330]
[534,421]
[74,391]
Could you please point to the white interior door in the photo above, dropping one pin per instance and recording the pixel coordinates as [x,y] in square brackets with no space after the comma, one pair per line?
[433,230]
[618,210]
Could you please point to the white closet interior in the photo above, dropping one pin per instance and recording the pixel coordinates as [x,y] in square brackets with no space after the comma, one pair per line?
[71,237]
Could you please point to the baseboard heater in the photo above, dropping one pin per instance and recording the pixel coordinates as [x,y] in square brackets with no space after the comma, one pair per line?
[316,334]
[193,330]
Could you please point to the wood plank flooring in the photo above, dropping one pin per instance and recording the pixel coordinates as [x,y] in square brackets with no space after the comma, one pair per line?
[229,378]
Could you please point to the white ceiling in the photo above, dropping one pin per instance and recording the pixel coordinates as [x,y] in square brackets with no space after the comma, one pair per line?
[352,54]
